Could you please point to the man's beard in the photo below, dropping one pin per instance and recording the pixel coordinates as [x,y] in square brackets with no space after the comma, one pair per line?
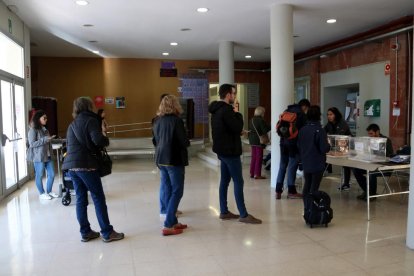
[231,101]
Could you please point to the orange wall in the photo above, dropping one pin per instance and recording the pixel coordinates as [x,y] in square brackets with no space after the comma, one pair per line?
[137,80]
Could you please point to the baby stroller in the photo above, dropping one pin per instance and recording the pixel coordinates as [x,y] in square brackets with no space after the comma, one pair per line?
[67,183]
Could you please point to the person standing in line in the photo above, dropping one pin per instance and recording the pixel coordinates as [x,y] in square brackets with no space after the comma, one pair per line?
[104,123]
[171,157]
[313,146]
[289,160]
[165,192]
[39,142]
[258,127]
[84,138]
[227,127]
[337,126]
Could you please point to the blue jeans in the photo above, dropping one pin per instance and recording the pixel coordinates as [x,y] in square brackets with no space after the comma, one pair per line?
[291,165]
[39,168]
[84,181]
[172,180]
[165,194]
[231,167]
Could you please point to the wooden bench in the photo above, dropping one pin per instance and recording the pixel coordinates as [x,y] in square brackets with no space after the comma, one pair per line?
[131,146]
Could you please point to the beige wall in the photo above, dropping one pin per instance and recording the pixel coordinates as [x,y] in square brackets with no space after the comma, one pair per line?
[137,80]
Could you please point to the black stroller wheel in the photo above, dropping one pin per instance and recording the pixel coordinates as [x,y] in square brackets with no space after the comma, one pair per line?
[66,200]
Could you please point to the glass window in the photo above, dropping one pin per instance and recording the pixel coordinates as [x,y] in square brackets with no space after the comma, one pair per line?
[11,56]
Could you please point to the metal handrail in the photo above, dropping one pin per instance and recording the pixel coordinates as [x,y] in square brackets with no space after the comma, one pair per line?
[114,128]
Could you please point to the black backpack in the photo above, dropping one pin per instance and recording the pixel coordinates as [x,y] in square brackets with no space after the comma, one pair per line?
[318,209]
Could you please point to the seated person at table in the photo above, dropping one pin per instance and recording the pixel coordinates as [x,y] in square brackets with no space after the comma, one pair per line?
[373,131]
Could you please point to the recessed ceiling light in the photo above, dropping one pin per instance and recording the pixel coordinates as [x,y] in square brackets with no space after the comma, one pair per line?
[185,29]
[82,2]
[173,43]
[202,10]
[248,56]
[87,25]
[165,54]
[331,21]
[95,52]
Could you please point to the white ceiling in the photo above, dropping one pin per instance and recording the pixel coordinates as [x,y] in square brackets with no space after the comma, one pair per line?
[144,28]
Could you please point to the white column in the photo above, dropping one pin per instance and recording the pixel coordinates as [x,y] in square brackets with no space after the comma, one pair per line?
[281,49]
[410,221]
[226,62]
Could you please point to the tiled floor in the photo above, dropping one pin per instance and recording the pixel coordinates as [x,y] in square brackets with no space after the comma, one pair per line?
[42,238]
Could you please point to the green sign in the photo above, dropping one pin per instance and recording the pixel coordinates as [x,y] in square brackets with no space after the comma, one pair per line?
[372,108]
[10,26]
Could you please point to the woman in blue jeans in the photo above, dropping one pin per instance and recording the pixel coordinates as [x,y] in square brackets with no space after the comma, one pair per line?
[171,157]
[84,138]
[41,154]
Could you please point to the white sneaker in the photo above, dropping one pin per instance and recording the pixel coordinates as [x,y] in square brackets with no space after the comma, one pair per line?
[54,195]
[45,196]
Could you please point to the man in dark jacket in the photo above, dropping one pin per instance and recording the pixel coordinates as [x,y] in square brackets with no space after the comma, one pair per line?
[289,157]
[373,130]
[227,126]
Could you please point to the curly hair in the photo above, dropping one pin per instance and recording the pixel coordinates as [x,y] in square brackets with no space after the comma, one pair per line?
[169,105]
[35,122]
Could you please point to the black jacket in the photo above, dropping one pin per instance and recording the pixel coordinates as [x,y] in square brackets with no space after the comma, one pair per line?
[339,128]
[226,127]
[87,141]
[313,146]
[262,128]
[170,141]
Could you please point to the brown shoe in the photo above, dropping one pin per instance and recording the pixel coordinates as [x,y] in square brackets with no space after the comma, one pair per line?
[259,177]
[228,216]
[250,219]
[90,236]
[278,195]
[294,196]
[171,231]
[114,236]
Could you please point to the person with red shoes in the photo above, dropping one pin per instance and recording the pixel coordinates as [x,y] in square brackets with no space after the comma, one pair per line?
[171,156]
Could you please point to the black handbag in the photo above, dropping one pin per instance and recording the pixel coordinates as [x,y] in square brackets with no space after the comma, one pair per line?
[104,163]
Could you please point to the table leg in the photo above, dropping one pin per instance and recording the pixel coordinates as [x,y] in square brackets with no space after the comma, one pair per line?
[368,195]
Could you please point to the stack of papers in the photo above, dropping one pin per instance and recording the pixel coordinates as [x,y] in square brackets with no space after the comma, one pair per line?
[400,159]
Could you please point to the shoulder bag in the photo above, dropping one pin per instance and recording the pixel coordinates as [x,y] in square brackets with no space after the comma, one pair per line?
[264,139]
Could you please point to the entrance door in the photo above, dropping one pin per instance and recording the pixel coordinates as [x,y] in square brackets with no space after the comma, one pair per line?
[13,127]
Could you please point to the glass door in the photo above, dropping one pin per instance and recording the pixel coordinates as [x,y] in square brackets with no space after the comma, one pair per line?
[13,150]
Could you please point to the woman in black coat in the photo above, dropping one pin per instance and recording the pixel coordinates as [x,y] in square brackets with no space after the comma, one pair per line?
[258,127]
[84,138]
[171,157]
[337,126]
